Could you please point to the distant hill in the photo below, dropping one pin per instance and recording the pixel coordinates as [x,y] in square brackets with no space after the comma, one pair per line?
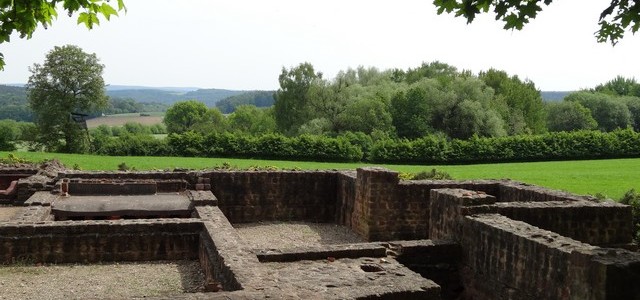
[13,98]
[13,103]
[257,98]
[115,87]
[551,96]
[208,96]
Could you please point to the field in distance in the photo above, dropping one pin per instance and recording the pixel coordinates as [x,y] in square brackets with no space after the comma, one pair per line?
[610,177]
[150,118]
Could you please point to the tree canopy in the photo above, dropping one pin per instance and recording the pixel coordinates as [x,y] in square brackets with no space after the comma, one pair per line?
[616,18]
[193,115]
[69,81]
[24,16]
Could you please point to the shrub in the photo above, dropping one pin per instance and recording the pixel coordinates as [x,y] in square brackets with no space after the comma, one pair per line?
[433,174]
[632,198]
[550,146]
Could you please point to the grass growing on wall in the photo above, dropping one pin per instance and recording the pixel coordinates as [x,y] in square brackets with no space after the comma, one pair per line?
[611,177]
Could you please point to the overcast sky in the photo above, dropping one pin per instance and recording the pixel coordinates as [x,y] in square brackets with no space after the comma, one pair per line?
[244,44]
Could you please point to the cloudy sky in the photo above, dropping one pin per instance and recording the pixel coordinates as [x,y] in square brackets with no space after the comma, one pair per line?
[244,44]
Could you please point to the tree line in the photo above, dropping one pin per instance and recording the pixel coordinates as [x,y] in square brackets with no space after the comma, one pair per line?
[432,99]
[366,105]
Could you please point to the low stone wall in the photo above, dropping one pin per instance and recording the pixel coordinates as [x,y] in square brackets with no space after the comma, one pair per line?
[595,223]
[323,252]
[119,187]
[346,198]
[504,258]
[436,260]
[510,259]
[253,196]
[510,191]
[97,241]
[222,256]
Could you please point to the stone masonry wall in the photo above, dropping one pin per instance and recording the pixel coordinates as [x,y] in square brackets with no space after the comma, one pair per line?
[504,258]
[252,196]
[370,217]
[595,223]
[508,259]
[97,241]
[346,198]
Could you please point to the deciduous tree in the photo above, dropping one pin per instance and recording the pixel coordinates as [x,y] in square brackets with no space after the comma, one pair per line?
[569,116]
[69,81]
[291,105]
[193,115]
[610,112]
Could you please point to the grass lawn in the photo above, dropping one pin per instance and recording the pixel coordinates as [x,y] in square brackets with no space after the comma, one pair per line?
[612,177]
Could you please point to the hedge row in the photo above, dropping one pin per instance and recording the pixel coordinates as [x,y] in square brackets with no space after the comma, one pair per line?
[269,146]
[550,146]
[427,150]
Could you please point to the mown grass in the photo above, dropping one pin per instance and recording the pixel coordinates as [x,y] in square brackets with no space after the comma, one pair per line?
[612,177]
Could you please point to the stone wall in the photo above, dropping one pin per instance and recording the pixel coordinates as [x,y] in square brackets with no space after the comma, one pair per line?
[97,241]
[252,196]
[223,257]
[436,260]
[504,258]
[508,259]
[346,198]
[596,223]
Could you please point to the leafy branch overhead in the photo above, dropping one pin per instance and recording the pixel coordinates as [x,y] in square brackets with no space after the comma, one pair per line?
[24,16]
[618,17]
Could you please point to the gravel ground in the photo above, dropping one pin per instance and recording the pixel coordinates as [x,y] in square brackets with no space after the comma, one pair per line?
[7,212]
[282,235]
[100,281]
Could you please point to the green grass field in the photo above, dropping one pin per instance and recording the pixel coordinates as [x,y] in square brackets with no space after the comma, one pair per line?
[611,177]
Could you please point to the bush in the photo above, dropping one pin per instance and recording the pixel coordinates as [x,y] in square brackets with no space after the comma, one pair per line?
[550,146]
[632,198]
[433,174]
[9,135]
[130,145]
[268,146]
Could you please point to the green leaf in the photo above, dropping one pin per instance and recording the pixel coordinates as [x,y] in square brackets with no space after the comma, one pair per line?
[121,5]
[83,18]
[107,11]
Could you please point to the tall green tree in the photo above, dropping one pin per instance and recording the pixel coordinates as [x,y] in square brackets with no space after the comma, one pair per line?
[193,115]
[292,99]
[412,110]
[620,86]
[519,102]
[24,16]
[467,110]
[610,112]
[69,81]
[251,119]
[569,116]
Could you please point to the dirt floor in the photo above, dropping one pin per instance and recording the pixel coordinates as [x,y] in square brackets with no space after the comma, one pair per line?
[100,281]
[282,235]
[7,212]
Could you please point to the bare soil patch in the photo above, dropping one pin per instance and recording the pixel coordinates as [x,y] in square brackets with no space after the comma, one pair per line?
[101,281]
[283,235]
